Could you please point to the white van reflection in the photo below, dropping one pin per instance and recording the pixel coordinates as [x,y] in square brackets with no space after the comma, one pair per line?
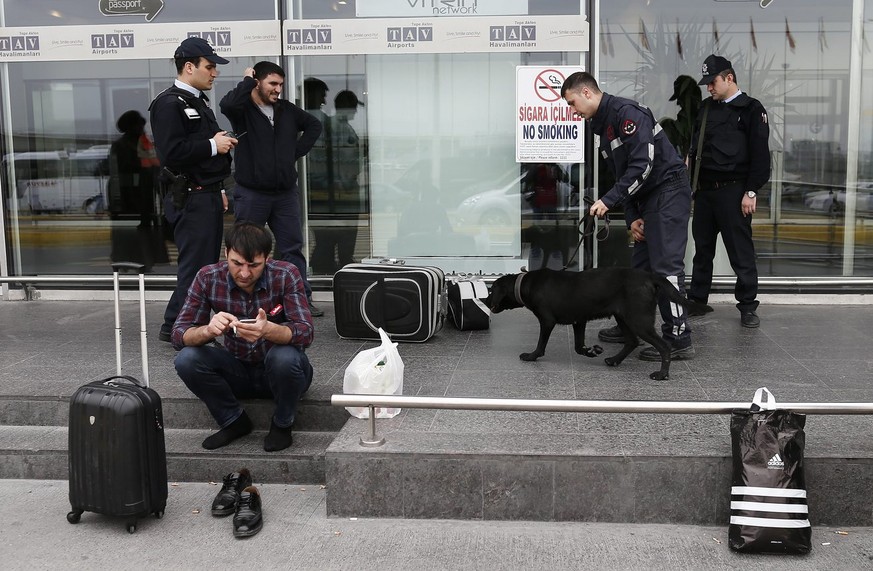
[60,182]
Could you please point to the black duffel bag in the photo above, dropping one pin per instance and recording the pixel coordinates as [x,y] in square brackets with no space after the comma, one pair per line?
[467,304]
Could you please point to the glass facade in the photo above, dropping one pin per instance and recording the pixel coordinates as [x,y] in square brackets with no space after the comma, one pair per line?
[418,155]
[808,63]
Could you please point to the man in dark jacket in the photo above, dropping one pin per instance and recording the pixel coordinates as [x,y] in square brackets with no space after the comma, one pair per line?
[194,150]
[733,164]
[652,184]
[273,133]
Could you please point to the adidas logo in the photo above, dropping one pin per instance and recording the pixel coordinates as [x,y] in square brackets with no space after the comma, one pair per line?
[775,463]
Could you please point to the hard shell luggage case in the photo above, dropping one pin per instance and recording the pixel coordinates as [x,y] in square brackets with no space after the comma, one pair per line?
[406,301]
[117,455]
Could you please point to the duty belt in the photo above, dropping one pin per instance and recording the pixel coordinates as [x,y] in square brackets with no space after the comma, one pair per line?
[718,184]
[214,187]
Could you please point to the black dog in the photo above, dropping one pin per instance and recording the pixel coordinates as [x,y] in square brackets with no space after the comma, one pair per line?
[631,296]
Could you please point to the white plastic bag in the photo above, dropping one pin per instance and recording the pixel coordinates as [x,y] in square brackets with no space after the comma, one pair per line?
[376,371]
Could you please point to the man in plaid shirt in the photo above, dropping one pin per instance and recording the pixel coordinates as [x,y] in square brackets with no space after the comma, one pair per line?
[261,359]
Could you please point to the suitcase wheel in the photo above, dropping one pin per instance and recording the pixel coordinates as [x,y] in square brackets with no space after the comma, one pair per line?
[131,527]
[74,516]
[159,514]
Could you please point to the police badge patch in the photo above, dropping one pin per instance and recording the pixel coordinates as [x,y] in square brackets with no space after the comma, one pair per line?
[628,127]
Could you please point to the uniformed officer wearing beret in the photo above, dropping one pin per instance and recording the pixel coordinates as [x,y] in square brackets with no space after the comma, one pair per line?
[734,165]
[652,185]
[190,144]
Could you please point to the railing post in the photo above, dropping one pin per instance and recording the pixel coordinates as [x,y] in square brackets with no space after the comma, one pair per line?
[372,442]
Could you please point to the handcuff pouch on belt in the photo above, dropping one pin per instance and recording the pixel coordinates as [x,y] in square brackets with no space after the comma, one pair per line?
[177,185]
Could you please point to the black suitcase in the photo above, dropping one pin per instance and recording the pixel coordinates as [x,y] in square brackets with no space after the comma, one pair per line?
[117,456]
[406,301]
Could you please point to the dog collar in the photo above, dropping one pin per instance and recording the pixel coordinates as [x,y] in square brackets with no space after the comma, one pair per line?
[518,279]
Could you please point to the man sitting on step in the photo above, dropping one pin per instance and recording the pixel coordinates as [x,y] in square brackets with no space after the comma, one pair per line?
[259,305]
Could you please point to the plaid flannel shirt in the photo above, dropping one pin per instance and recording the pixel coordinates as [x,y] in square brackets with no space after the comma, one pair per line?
[213,290]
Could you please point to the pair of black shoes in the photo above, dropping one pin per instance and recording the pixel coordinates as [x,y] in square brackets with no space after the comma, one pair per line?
[239,497]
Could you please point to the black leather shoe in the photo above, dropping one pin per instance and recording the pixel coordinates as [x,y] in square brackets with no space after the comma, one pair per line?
[611,335]
[315,311]
[227,499]
[164,334]
[676,354]
[698,309]
[750,319]
[248,520]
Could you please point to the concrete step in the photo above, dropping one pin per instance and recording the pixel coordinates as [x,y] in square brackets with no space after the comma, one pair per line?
[657,478]
[40,452]
[179,412]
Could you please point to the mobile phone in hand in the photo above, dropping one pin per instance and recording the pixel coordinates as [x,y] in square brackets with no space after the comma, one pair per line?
[235,135]
[244,321]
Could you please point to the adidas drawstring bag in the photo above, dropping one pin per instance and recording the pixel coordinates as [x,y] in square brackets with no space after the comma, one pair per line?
[769,513]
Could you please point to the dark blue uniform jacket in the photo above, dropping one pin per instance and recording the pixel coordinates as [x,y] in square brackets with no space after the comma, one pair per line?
[636,150]
[182,125]
[736,142]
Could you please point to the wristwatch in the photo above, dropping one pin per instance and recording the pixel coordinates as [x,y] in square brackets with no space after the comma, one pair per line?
[751,194]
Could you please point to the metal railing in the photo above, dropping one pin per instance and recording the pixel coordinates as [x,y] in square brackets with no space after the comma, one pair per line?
[726,281]
[545,405]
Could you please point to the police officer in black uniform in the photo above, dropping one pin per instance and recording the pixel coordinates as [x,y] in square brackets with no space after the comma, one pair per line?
[733,163]
[195,157]
[652,185]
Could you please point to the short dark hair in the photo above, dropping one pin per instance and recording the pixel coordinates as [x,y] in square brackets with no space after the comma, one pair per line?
[265,68]
[578,80]
[249,240]
[181,61]
[727,72]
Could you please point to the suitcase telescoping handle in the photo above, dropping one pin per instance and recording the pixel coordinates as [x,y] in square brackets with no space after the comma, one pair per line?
[117,267]
[113,380]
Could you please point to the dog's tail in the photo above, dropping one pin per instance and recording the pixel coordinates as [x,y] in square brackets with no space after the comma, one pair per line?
[665,288]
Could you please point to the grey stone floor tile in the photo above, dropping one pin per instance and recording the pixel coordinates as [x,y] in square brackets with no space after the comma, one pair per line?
[485,361]
[832,352]
[783,394]
[645,392]
[842,373]
[740,364]
[844,394]
[631,370]
[466,383]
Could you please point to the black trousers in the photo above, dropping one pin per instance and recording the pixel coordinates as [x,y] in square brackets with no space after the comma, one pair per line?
[720,211]
[197,233]
[665,214]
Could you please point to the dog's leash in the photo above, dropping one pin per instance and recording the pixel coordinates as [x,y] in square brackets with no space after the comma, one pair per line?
[586,229]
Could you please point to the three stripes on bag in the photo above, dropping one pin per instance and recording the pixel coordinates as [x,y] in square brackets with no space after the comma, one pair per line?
[769,507]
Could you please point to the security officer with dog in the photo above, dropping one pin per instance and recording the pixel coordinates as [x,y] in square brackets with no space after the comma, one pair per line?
[195,157]
[732,164]
[652,186]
